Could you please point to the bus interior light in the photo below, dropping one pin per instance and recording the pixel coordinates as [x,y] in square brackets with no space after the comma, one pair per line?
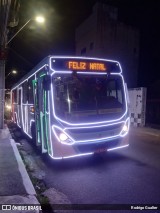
[8,107]
[32,110]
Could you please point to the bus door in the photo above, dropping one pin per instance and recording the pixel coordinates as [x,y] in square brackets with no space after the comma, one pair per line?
[20,109]
[14,108]
[36,131]
[39,102]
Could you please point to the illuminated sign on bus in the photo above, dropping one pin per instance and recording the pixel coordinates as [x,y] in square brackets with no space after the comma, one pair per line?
[83,65]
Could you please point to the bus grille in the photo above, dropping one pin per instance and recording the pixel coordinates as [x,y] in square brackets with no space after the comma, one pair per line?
[97,133]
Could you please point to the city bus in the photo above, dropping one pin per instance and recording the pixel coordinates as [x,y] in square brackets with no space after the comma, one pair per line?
[73,106]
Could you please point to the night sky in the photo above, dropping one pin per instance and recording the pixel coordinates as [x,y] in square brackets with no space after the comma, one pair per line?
[58,35]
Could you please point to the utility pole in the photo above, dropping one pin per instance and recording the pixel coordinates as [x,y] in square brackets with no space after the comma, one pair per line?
[2,91]
[4,8]
[8,17]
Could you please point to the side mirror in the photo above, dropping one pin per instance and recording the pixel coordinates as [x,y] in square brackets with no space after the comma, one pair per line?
[47,82]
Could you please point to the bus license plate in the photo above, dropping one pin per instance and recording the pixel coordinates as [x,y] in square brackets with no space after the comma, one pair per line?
[101,150]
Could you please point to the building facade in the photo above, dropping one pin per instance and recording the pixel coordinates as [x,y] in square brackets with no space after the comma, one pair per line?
[103,35]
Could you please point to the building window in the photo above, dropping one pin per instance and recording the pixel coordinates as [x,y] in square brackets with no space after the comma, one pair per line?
[83,51]
[91,46]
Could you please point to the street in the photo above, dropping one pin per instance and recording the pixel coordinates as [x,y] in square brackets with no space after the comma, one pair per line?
[126,176]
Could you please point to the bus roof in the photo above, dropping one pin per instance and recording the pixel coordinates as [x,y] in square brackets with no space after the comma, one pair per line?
[74,63]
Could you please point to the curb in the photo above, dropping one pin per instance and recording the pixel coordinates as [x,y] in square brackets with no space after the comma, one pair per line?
[22,200]
[25,177]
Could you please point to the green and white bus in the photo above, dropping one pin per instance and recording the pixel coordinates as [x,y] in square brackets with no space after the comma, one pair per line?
[73,106]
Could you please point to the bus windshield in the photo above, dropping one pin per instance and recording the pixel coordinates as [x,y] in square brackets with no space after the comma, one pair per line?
[88,98]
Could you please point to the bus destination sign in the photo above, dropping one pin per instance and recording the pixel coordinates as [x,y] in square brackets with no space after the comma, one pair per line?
[86,65]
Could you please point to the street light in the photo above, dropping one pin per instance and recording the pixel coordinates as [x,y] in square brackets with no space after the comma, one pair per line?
[38,19]
[14,72]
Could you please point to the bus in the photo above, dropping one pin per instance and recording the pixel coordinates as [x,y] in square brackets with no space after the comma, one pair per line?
[73,106]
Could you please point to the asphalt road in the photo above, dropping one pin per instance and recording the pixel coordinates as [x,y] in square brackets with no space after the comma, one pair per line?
[126,176]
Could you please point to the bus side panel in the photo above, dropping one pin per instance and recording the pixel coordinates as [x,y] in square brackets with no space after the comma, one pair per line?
[13,115]
[14,109]
[31,119]
[19,108]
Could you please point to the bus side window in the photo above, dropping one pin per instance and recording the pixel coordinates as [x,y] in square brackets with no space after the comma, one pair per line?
[30,90]
[25,88]
[19,97]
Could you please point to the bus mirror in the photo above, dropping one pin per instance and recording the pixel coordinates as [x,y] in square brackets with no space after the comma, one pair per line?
[47,82]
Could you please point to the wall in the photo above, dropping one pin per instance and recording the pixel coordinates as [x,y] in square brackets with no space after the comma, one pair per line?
[137,106]
[111,39]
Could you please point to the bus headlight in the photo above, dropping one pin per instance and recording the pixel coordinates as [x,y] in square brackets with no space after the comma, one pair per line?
[61,136]
[125,128]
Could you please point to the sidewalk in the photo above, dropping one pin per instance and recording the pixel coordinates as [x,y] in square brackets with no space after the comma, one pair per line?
[15,184]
